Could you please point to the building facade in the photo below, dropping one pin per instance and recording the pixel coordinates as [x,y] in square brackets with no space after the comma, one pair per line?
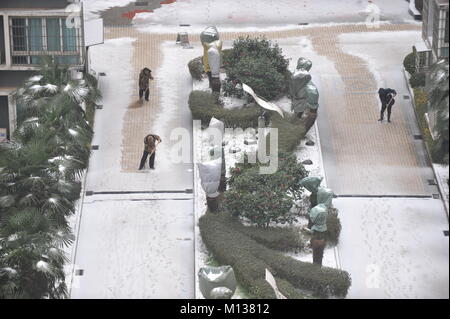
[435,34]
[29,30]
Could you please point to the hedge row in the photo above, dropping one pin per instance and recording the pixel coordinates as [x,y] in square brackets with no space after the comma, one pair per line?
[290,132]
[249,260]
[218,235]
[278,238]
[204,105]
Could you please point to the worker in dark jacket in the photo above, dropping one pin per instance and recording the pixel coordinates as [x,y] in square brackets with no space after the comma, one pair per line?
[150,143]
[387,98]
[144,77]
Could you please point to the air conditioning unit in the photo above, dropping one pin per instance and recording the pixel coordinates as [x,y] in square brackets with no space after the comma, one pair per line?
[76,74]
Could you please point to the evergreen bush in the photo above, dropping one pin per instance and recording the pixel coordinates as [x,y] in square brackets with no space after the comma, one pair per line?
[410,63]
[204,105]
[258,63]
[265,198]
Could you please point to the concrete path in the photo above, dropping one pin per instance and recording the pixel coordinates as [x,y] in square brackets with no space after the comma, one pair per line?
[135,236]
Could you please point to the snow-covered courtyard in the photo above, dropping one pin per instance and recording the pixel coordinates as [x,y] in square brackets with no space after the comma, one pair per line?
[137,231]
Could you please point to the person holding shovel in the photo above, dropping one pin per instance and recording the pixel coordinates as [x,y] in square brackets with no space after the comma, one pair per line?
[150,143]
[144,78]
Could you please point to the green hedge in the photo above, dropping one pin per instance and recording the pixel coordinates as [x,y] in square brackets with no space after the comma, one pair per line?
[290,132]
[259,63]
[204,105]
[421,104]
[249,260]
[410,63]
[278,238]
[333,227]
[417,80]
[196,68]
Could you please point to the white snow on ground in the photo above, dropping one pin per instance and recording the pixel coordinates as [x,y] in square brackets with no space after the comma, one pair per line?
[400,42]
[394,248]
[269,12]
[175,60]
[174,65]
[136,249]
[135,246]
[91,8]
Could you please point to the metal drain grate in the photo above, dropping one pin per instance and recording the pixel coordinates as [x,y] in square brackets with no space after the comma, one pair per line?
[95,147]
[303,23]
[446,233]
[141,3]
[431,182]
[102,74]
[418,137]
[89,193]
[436,196]
[185,25]
[406,97]
[79,272]
[99,107]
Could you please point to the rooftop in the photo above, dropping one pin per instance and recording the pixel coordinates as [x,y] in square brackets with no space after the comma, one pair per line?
[34,4]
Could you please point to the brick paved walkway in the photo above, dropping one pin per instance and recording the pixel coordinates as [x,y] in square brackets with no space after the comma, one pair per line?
[366,152]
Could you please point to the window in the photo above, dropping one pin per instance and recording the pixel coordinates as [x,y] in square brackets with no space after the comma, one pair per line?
[33,38]
[2,43]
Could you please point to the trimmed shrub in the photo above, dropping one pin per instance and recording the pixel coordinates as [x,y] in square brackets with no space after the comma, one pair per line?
[417,80]
[204,105]
[333,227]
[421,103]
[410,63]
[260,74]
[196,68]
[290,132]
[283,239]
[255,47]
[265,198]
[249,260]
[258,63]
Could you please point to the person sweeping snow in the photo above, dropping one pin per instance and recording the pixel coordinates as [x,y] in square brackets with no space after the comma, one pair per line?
[150,143]
[387,101]
[144,78]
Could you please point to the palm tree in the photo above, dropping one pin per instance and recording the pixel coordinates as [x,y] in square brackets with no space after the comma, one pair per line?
[438,90]
[40,174]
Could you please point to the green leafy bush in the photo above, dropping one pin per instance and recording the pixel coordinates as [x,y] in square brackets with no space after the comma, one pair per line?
[260,74]
[417,80]
[257,48]
[258,63]
[410,63]
[333,227]
[196,68]
[265,198]
[249,260]
[204,105]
